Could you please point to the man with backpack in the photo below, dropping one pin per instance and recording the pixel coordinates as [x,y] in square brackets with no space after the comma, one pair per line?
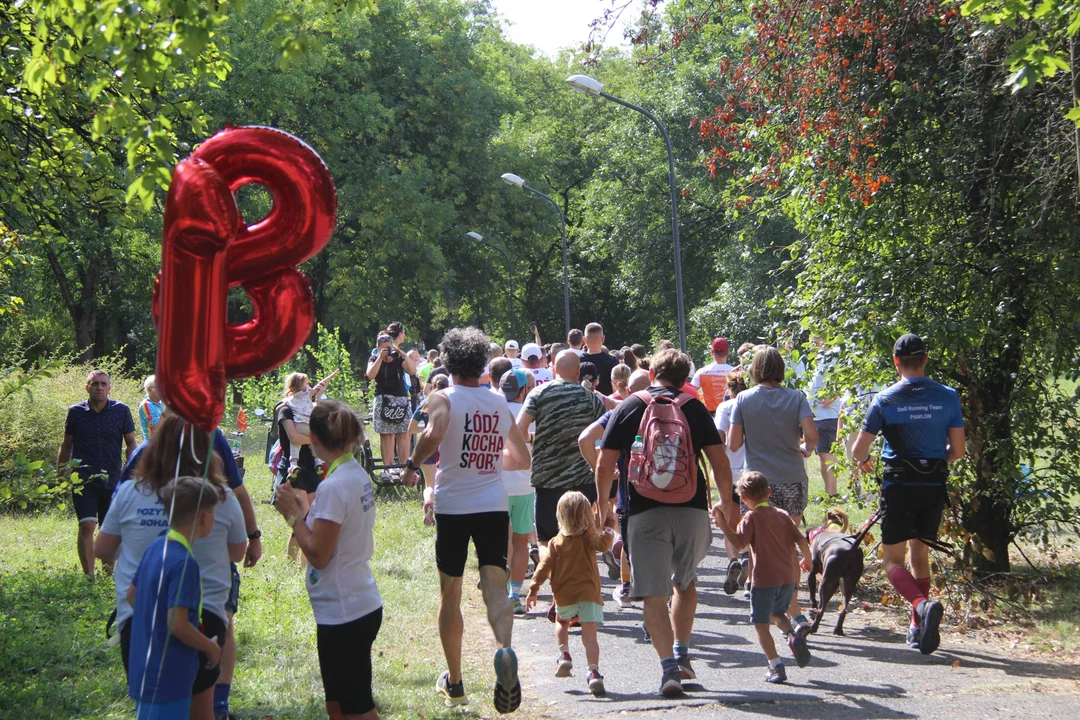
[669,525]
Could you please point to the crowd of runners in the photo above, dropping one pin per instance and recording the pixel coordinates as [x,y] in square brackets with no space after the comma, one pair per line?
[550,460]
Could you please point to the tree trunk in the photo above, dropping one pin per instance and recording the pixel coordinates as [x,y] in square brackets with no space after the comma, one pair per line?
[81,308]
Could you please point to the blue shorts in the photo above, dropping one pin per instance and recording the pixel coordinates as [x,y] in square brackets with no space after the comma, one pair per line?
[584,611]
[176,710]
[766,602]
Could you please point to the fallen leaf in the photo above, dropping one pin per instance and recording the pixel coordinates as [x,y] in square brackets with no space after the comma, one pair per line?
[955,664]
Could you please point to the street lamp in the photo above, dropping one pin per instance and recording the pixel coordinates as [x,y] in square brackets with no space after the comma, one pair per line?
[512,179]
[590,86]
[509,271]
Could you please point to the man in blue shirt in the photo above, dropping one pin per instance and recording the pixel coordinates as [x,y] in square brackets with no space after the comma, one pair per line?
[95,432]
[923,428]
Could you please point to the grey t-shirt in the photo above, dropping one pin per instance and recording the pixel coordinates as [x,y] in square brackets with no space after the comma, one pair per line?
[137,517]
[770,419]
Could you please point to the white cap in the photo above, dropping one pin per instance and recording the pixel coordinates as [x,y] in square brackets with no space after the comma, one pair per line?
[531,351]
[511,345]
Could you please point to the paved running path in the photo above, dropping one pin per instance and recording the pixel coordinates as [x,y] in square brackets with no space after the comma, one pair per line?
[867,674]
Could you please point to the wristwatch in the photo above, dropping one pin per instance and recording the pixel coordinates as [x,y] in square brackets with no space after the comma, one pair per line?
[411,465]
[255,535]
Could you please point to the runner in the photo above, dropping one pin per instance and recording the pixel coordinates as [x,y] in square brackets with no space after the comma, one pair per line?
[576,340]
[532,357]
[826,409]
[94,431]
[472,428]
[667,541]
[515,386]
[711,380]
[561,409]
[738,571]
[924,431]
[512,351]
[598,356]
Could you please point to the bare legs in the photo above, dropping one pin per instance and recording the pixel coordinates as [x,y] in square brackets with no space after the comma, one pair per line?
[451,624]
[665,627]
[85,544]
[826,461]
[519,557]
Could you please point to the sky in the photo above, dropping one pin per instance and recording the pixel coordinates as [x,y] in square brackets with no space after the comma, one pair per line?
[550,25]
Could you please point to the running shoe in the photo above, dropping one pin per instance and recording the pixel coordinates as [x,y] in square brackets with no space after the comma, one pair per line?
[564,665]
[686,669]
[613,570]
[799,649]
[645,632]
[596,682]
[507,687]
[517,605]
[552,613]
[452,694]
[621,595]
[731,582]
[534,554]
[776,674]
[744,572]
[803,629]
[746,594]
[930,613]
[671,685]
[913,636]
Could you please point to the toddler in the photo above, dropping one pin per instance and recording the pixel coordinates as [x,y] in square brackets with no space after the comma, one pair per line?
[166,598]
[299,398]
[772,537]
[570,562]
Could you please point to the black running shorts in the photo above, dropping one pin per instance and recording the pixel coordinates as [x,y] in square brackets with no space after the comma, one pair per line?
[913,503]
[345,662]
[489,532]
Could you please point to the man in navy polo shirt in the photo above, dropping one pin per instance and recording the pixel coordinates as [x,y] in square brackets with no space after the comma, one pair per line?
[95,433]
[924,431]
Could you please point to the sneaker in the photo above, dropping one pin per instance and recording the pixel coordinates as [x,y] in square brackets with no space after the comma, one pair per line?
[507,687]
[645,632]
[776,674]
[621,595]
[930,613]
[596,682]
[671,685]
[746,594]
[744,573]
[913,636]
[803,630]
[613,570]
[552,615]
[529,572]
[686,669]
[452,694]
[386,477]
[517,605]
[534,554]
[731,582]
[799,649]
[564,666]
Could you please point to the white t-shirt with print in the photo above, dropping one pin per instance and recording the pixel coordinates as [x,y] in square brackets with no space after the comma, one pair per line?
[542,375]
[345,589]
[469,476]
[517,482]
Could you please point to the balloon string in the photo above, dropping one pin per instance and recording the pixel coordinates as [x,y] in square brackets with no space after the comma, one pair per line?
[183,570]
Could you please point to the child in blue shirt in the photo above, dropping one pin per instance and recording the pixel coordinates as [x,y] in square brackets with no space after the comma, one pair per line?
[166,600]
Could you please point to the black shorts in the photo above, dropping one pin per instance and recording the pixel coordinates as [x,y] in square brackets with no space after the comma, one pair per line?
[232,603]
[307,480]
[490,532]
[547,500]
[345,662]
[912,504]
[125,645]
[212,626]
[826,435]
[91,502]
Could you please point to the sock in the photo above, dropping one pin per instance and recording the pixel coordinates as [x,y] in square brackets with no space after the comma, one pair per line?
[682,650]
[221,698]
[776,662]
[906,585]
[564,649]
[515,590]
[595,667]
[924,588]
[670,666]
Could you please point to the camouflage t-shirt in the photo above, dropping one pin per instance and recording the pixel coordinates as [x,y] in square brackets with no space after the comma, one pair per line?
[561,411]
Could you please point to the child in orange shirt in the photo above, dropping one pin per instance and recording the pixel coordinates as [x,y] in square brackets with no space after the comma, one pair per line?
[570,561]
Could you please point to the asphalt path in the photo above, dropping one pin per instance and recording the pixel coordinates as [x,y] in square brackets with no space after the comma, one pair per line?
[868,673]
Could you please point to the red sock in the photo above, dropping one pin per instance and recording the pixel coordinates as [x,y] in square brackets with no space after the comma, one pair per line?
[924,588]
[907,586]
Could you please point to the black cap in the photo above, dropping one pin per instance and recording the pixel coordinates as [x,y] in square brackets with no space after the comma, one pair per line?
[588,370]
[909,345]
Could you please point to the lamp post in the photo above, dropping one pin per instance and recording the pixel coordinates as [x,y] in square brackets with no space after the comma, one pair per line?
[509,271]
[590,86]
[512,179]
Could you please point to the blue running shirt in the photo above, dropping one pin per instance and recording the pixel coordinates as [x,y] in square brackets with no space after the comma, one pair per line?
[915,416]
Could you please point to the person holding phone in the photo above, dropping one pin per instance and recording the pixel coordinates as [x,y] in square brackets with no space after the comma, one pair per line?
[387,368]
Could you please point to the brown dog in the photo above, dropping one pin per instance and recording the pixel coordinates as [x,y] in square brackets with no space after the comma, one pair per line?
[838,557]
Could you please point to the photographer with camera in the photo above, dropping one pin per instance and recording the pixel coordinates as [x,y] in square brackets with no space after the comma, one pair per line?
[392,411]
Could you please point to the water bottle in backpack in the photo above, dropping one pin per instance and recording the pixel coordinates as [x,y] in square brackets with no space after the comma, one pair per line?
[637,460]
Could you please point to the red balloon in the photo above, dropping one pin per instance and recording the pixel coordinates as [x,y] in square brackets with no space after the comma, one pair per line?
[198,351]
[193,292]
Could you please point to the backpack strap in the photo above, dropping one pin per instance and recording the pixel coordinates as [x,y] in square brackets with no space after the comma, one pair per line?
[645,396]
[683,398]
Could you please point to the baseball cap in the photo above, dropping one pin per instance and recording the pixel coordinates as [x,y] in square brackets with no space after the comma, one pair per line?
[720,346]
[531,351]
[909,345]
[512,382]
[512,345]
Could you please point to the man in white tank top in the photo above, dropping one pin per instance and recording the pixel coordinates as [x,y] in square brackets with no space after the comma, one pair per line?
[474,432]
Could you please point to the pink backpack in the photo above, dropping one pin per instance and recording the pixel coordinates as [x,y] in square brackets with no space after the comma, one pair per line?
[665,469]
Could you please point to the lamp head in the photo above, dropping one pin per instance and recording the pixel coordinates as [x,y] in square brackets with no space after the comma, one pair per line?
[475,235]
[512,179]
[585,84]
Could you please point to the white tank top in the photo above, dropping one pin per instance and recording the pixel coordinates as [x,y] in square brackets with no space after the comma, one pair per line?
[469,475]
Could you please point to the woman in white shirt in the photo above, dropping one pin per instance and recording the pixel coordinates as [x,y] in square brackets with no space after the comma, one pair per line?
[337,538]
[738,569]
